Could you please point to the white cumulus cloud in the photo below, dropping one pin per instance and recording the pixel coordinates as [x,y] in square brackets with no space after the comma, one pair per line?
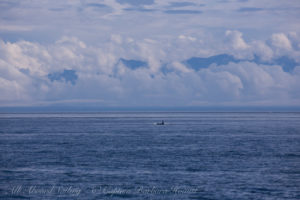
[70,71]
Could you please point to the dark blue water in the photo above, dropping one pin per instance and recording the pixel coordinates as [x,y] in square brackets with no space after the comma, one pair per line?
[127,156]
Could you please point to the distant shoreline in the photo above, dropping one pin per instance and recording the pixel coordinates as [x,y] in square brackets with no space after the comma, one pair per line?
[84,109]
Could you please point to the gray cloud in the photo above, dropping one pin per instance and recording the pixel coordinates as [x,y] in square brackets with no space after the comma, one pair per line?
[7,4]
[136,2]
[250,9]
[59,9]
[183,12]
[140,9]
[181,4]
[97,5]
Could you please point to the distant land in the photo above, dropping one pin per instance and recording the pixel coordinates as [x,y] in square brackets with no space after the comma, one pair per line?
[37,109]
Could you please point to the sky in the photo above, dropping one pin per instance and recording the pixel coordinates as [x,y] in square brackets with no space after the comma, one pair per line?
[147,53]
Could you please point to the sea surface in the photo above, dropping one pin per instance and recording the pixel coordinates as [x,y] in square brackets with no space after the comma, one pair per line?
[125,155]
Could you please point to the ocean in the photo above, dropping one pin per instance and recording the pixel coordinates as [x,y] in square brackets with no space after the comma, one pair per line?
[125,155]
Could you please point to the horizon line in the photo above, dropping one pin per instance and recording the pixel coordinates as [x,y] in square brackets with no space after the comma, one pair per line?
[14,109]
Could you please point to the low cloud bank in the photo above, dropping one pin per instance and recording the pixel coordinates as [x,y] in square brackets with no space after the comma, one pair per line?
[182,71]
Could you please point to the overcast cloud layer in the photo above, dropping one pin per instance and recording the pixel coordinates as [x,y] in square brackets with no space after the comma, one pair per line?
[150,53]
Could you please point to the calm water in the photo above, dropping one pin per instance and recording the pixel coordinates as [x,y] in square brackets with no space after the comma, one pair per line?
[127,156]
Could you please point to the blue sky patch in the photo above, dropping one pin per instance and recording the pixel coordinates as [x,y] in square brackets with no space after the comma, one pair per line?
[66,75]
[133,64]
[197,63]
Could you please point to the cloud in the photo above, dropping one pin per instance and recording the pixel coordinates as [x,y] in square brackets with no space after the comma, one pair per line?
[146,72]
[136,2]
[8,4]
[262,50]
[181,4]
[183,11]
[147,52]
[177,66]
[92,21]
[236,40]
[96,5]
[281,41]
[15,28]
[140,9]
[250,9]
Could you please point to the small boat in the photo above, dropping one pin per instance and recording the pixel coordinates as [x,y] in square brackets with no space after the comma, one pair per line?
[160,123]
